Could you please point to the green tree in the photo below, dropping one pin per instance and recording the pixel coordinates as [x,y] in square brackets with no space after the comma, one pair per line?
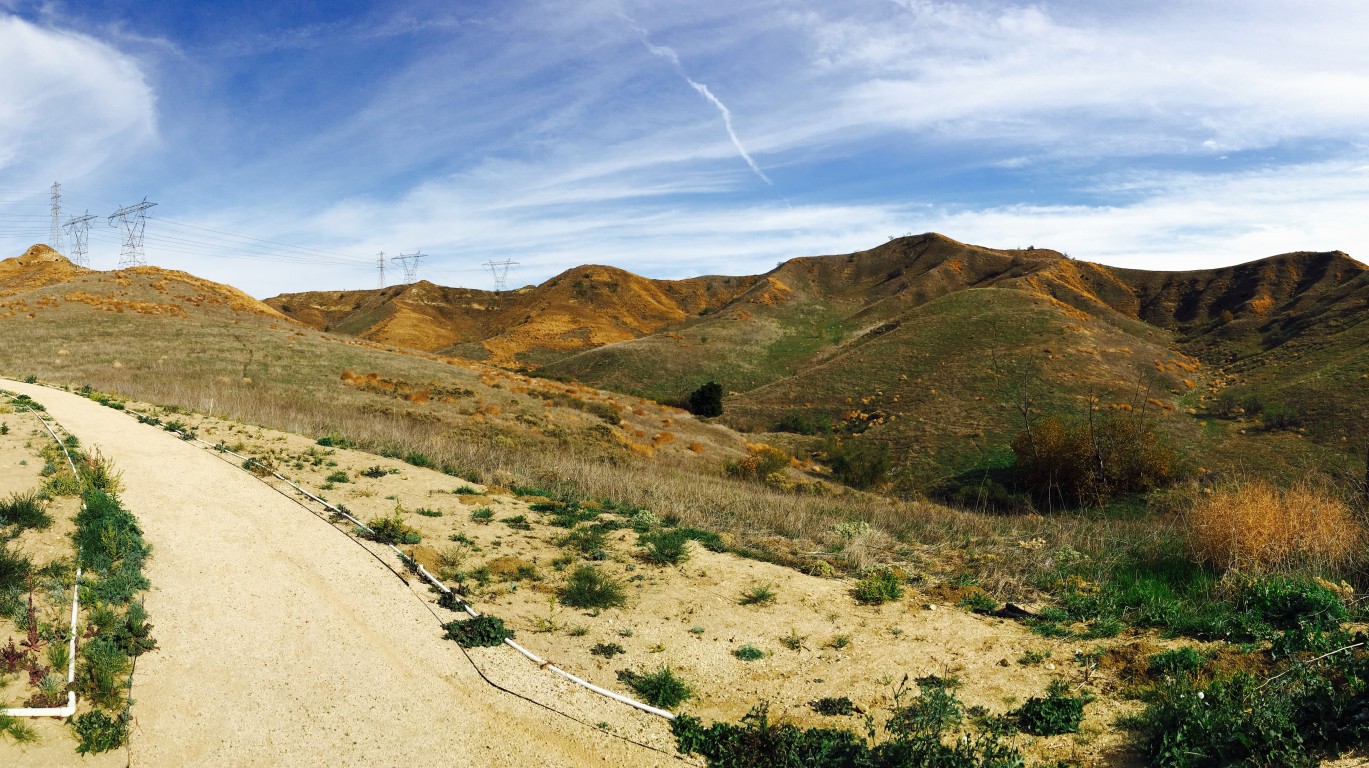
[707,400]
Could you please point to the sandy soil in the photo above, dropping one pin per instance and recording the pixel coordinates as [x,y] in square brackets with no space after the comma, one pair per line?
[282,643]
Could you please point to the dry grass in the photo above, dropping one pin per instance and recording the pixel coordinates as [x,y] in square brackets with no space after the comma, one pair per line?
[1256,525]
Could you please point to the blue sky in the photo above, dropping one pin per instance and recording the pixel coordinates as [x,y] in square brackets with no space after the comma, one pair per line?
[678,139]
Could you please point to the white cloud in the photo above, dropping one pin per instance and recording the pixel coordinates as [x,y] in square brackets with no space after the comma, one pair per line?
[68,103]
[1067,82]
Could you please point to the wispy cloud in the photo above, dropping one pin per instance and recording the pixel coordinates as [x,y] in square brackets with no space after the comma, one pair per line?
[69,104]
[669,54]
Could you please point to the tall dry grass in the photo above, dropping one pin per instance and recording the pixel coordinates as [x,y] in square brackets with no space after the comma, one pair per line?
[1257,526]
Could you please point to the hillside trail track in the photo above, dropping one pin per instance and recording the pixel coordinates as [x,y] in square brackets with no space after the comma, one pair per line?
[282,643]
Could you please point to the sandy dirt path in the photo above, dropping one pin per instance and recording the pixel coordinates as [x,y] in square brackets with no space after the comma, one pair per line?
[283,643]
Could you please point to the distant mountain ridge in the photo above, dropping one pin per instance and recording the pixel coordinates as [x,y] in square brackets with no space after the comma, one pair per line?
[924,344]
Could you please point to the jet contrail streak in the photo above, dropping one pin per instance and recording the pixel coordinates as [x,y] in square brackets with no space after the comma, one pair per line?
[669,55]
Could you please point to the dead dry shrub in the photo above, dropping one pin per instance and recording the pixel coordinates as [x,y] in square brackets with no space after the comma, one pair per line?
[1255,525]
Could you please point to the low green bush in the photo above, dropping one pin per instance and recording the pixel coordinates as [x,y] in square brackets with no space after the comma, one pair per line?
[879,586]
[748,653]
[1055,713]
[662,688]
[587,587]
[98,732]
[24,510]
[667,547]
[391,530]
[479,632]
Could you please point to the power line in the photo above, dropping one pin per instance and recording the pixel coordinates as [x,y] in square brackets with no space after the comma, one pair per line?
[409,261]
[500,271]
[132,221]
[55,238]
[79,227]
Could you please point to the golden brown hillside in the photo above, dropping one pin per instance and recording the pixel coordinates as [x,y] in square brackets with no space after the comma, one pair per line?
[584,307]
[37,267]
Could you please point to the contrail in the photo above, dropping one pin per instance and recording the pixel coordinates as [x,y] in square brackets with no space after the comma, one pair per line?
[674,58]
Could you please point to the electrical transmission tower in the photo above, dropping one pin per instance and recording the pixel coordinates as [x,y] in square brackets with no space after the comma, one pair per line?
[132,220]
[380,264]
[500,271]
[79,227]
[55,237]
[409,261]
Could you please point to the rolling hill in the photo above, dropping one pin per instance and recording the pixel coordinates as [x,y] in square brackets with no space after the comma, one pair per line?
[932,347]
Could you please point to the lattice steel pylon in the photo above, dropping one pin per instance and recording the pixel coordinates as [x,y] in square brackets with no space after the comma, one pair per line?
[380,264]
[409,262]
[79,227]
[500,271]
[131,221]
[55,236]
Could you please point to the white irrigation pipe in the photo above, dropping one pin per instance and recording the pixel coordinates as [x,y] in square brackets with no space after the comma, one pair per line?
[542,663]
[70,708]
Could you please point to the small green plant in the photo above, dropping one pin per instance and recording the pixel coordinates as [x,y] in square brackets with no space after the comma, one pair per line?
[606,650]
[748,653]
[517,522]
[420,460]
[98,732]
[978,602]
[24,511]
[793,641]
[839,642]
[587,587]
[667,547]
[376,472]
[835,706]
[1055,713]
[879,586]
[482,515]
[479,632]
[466,490]
[762,594]
[424,511]
[391,530]
[588,541]
[1032,658]
[338,477]
[662,688]
[1180,661]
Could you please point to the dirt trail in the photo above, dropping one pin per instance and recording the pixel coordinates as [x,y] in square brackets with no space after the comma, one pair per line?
[283,643]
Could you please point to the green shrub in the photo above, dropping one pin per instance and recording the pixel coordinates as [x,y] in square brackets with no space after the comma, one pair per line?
[111,548]
[879,586]
[858,463]
[588,588]
[100,673]
[338,477]
[479,632]
[420,460]
[24,511]
[425,512]
[98,732]
[1306,711]
[517,522]
[803,423]
[334,440]
[14,569]
[589,542]
[748,653]
[706,401]
[661,688]
[1180,661]
[376,472]
[391,530]
[606,650]
[978,602]
[668,547]
[1055,713]
[482,515]
[761,594]
[834,706]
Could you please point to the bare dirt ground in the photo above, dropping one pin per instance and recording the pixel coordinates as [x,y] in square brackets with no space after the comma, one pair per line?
[281,643]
